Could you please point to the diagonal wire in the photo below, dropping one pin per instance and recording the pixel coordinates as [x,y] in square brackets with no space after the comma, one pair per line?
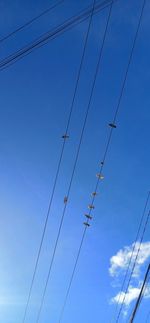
[29,22]
[57,172]
[50,35]
[132,254]
[102,164]
[75,164]
[133,267]
[141,294]
[85,229]
[145,288]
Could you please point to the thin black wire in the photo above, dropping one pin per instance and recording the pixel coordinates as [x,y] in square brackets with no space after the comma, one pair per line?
[132,50]
[133,267]
[70,184]
[72,275]
[140,295]
[43,13]
[56,33]
[145,288]
[102,166]
[85,229]
[52,34]
[132,253]
[144,291]
[58,170]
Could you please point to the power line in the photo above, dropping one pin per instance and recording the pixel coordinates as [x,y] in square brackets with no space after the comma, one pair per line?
[65,137]
[145,289]
[72,275]
[132,253]
[50,35]
[75,163]
[28,23]
[134,42]
[134,264]
[99,175]
[140,295]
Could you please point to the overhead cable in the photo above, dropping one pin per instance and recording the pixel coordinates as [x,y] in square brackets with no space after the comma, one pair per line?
[132,254]
[100,174]
[65,137]
[75,164]
[29,22]
[133,267]
[140,295]
[51,34]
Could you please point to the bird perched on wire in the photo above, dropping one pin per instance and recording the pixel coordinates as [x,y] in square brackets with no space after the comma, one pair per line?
[65,199]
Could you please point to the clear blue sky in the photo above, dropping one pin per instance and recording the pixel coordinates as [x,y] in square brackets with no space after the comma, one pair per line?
[35,97]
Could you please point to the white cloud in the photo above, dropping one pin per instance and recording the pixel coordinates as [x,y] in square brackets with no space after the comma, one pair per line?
[118,266]
[131,295]
[121,260]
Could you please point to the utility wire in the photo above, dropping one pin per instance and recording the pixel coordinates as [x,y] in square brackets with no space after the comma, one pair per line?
[133,267]
[65,137]
[140,295]
[134,42]
[50,35]
[145,289]
[43,13]
[85,229]
[132,253]
[100,176]
[72,276]
[72,175]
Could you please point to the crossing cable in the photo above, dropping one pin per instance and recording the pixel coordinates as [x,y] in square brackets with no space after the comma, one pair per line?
[100,176]
[140,295]
[50,35]
[145,288]
[29,22]
[143,294]
[132,254]
[133,267]
[65,137]
[75,164]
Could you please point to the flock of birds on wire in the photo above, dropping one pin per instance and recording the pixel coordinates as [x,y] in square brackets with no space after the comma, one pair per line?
[13,58]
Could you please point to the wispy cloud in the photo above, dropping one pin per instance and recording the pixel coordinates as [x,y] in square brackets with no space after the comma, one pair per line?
[131,295]
[120,261]
[118,266]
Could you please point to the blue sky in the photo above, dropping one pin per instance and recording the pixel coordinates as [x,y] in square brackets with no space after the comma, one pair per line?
[35,97]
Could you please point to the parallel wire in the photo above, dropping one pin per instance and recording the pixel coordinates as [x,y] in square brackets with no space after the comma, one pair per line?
[141,294]
[52,34]
[133,267]
[57,171]
[85,229]
[72,276]
[75,164]
[145,288]
[132,253]
[28,23]
[102,163]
